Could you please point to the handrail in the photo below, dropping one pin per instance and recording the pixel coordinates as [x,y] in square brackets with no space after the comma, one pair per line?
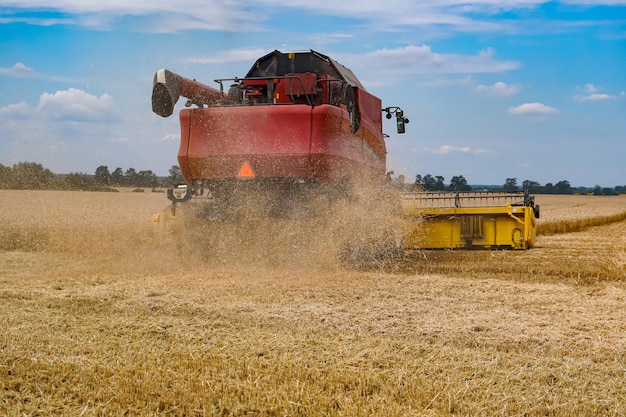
[318,87]
[444,199]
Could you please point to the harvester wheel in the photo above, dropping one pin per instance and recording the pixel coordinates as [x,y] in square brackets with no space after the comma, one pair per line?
[353,111]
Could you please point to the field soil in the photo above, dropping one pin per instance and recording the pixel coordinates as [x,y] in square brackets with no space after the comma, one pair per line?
[105,312]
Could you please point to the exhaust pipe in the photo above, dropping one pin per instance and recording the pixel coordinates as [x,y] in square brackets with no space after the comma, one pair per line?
[169,86]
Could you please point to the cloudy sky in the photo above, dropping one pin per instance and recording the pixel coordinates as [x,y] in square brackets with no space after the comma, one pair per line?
[527,89]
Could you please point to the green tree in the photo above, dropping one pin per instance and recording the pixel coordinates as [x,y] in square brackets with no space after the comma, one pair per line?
[429,183]
[439,183]
[102,175]
[79,181]
[459,183]
[117,177]
[418,182]
[176,176]
[130,177]
[597,190]
[30,176]
[146,179]
[563,187]
[510,184]
[5,177]
[531,186]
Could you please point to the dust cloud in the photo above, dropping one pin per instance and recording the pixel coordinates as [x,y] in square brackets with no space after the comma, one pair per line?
[337,236]
[115,233]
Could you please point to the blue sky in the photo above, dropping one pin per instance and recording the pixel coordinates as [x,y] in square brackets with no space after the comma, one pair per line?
[526,89]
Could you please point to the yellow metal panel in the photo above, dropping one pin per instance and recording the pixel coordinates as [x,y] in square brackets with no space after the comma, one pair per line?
[475,227]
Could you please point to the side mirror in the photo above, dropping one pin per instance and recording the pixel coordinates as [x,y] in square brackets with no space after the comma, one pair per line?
[401,120]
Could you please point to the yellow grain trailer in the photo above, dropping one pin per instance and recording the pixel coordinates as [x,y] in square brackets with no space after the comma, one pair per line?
[471,220]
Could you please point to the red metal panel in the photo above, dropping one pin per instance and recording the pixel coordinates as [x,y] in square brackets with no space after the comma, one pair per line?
[303,84]
[290,141]
[220,139]
[343,154]
[370,107]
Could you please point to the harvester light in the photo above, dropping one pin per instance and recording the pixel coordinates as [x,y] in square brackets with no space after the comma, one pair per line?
[179,194]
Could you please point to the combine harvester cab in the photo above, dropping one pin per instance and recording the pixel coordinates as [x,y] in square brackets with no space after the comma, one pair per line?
[297,123]
[471,220]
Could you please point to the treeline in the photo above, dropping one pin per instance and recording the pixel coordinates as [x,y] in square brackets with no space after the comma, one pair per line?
[429,182]
[33,176]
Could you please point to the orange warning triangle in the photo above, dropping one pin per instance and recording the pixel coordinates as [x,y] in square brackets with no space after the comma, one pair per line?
[246,171]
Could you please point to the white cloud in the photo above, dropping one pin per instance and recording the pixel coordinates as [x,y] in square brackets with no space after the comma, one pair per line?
[466,82]
[594,97]
[21,110]
[449,149]
[76,105]
[156,15]
[500,89]
[39,21]
[170,137]
[23,71]
[421,59]
[168,16]
[592,93]
[588,88]
[18,70]
[330,38]
[446,149]
[532,109]
[231,55]
[390,66]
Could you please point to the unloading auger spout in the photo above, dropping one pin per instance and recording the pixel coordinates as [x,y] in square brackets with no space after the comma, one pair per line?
[169,86]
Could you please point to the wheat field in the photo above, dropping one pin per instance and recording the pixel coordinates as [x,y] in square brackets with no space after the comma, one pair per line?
[103,313]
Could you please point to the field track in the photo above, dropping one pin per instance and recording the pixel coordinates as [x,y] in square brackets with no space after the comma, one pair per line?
[100,314]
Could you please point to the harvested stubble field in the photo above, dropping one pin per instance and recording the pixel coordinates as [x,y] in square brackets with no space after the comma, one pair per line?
[100,314]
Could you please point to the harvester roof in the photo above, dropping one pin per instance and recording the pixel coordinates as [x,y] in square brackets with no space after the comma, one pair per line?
[279,64]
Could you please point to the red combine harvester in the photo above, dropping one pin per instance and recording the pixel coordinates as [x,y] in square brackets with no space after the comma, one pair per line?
[298,124]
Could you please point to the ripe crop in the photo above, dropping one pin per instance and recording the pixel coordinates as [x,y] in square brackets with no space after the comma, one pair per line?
[100,314]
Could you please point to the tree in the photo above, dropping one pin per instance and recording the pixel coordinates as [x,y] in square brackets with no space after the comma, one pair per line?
[102,175]
[418,181]
[563,187]
[531,186]
[439,184]
[130,177]
[79,181]
[117,177]
[30,176]
[510,184]
[428,183]
[146,179]
[459,183]
[5,177]
[176,176]
[597,190]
